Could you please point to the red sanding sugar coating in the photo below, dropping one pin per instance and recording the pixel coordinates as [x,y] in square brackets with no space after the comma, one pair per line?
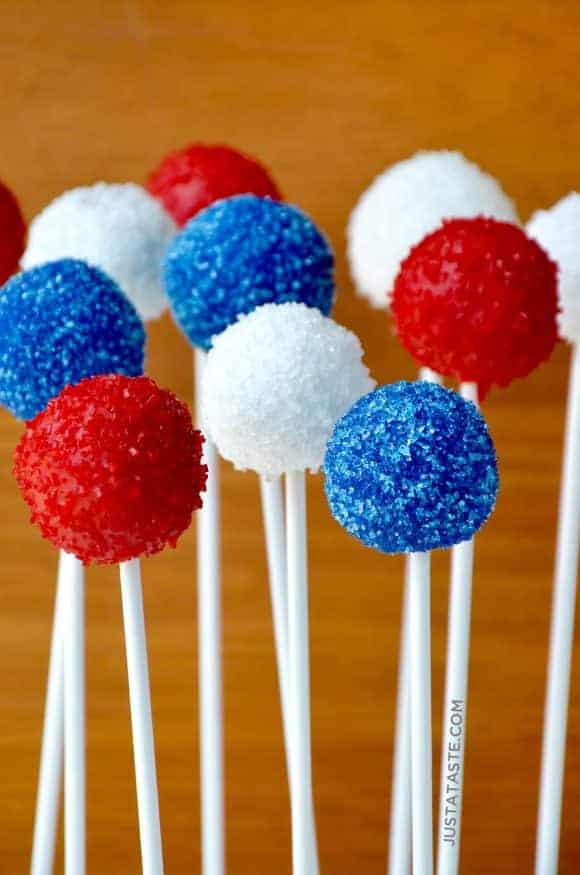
[193,178]
[12,233]
[111,470]
[477,300]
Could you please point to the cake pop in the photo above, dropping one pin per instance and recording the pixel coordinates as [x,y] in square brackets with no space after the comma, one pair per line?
[556,229]
[59,323]
[476,300]
[408,201]
[190,179]
[118,227]
[404,203]
[240,253]
[12,233]
[120,476]
[229,259]
[409,468]
[273,386]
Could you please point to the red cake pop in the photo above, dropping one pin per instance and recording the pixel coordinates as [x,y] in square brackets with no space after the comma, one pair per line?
[193,178]
[12,233]
[477,300]
[111,469]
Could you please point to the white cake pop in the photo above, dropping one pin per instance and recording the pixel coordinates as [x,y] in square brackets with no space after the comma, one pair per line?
[557,230]
[118,227]
[275,384]
[408,201]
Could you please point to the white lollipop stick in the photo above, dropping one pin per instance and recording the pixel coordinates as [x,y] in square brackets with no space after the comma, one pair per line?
[51,755]
[399,862]
[400,827]
[455,698]
[421,745]
[273,518]
[561,638]
[74,714]
[210,657]
[141,718]
[273,514]
[301,765]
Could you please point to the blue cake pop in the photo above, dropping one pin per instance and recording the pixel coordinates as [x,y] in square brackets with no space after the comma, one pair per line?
[242,252]
[411,467]
[59,323]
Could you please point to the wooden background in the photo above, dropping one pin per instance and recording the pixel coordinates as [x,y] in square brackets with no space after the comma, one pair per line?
[327,93]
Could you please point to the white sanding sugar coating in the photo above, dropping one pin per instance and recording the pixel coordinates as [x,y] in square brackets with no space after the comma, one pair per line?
[118,227]
[274,385]
[408,201]
[557,230]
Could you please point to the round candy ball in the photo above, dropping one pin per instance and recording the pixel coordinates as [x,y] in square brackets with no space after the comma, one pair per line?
[557,230]
[476,300]
[411,467]
[407,201]
[191,179]
[59,323]
[12,233]
[240,253]
[118,227]
[111,470]
[275,383]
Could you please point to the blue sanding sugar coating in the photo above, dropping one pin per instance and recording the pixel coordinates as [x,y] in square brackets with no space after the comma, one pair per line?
[59,323]
[411,467]
[242,252]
